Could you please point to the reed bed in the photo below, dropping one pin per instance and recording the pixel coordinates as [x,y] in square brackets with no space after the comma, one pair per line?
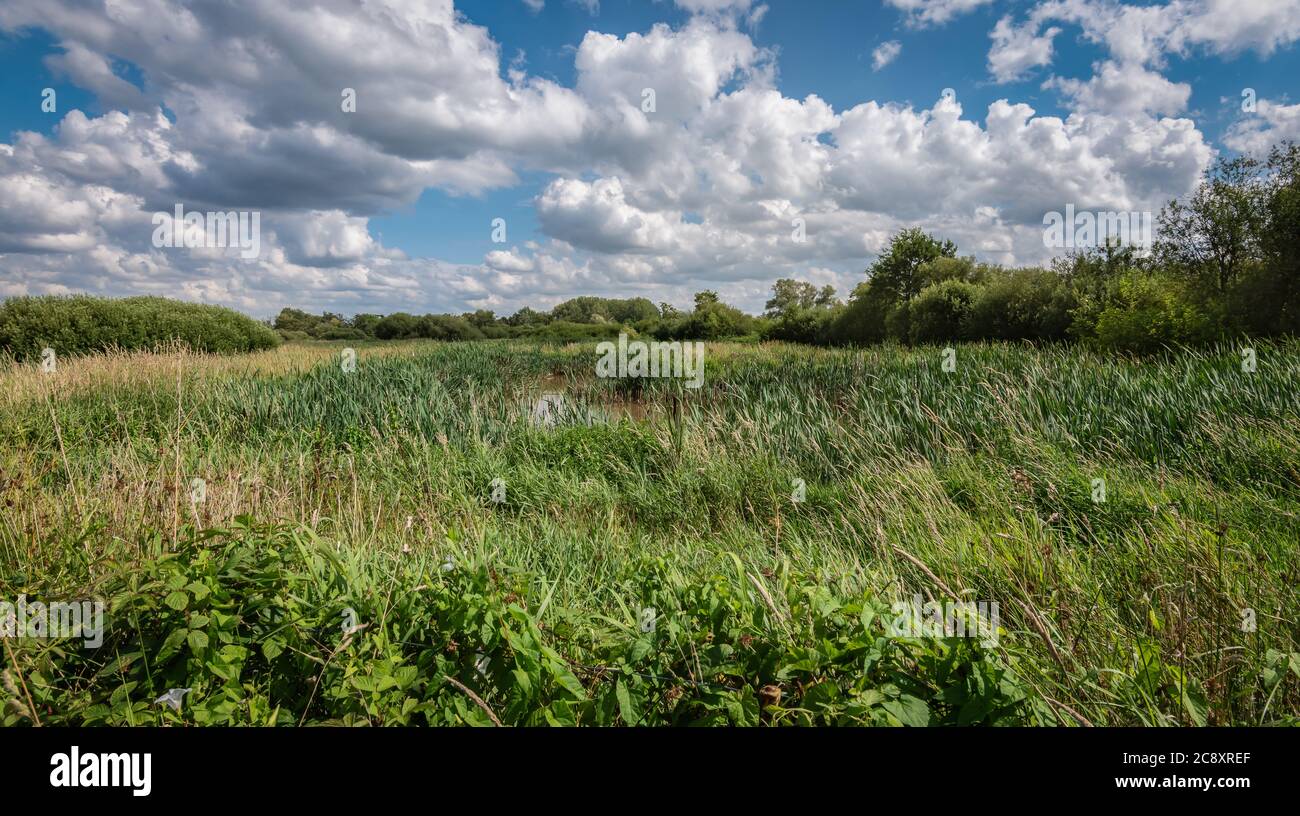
[872,469]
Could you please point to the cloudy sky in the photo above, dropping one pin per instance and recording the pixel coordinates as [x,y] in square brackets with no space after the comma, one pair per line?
[971,118]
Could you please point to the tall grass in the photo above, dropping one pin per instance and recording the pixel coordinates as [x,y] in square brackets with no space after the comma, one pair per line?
[976,483]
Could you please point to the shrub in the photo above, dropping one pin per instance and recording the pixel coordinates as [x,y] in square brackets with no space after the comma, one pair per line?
[325,326]
[397,326]
[82,324]
[711,320]
[587,309]
[1267,300]
[1151,313]
[341,333]
[939,313]
[898,324]
[562,331]
[811,325]
[862,320]
[268,625]
[1023,304]
[447,327]
[898,275]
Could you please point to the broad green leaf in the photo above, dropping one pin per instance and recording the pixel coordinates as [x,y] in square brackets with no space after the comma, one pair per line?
[909,710]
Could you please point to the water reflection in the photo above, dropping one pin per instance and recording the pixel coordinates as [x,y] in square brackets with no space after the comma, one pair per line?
[551,405]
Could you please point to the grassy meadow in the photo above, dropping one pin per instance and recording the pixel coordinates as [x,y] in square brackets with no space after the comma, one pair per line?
[407,543]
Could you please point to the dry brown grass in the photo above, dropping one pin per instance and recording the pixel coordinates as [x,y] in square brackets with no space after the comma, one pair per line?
[24,382]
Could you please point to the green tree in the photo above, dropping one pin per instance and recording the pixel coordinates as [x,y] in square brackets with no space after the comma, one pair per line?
[704,299]
[940,312]
[1217,232]
[1275,305]
[894,275]
[397,326]
[789,296]
[480,318]
[1021,304]
[826,297]
[365,323]
[528,317]
[293,320]
[893,279]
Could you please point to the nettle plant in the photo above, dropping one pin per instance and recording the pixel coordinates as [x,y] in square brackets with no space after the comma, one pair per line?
[267,625]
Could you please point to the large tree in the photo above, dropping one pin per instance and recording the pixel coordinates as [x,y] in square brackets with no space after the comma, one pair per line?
[789,296]
[705,299]
[894,275]
[1216,233]
[1274,307]
[892,280]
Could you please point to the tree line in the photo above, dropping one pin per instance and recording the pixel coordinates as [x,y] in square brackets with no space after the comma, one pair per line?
[1225,263]
[575,320]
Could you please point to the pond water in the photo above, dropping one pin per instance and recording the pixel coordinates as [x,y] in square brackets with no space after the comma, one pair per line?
[550,404]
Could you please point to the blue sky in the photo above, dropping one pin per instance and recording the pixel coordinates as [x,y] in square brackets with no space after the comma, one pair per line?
[770,112]
[22,71]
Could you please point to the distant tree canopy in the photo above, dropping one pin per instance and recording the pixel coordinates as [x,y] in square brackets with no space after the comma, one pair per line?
[1226,262]
[604,310]
[575,320]
[294,323]
[791,296]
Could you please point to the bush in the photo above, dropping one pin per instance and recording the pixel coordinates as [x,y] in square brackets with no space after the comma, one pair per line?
[397,326]
[1150,314]
[878,307]
[940,312]
[803,326]
[447,327]
[711,320]
[297,324]
[587,309]
[403,326]
[268,625]
[562,331]
[1023,304]
[341,333]
[1267,300]
[83,324]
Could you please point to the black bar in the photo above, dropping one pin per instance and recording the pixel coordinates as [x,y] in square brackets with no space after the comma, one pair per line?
[333,765]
